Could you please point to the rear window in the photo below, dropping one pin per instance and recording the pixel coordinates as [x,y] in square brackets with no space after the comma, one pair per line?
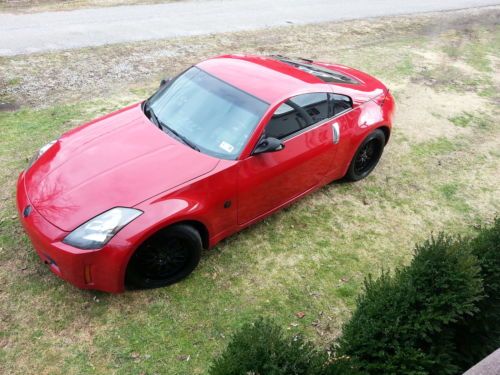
[326,75]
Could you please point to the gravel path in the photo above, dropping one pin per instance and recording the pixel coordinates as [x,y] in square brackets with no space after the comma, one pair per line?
[28,33]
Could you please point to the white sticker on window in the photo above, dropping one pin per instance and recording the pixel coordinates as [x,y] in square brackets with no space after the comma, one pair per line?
[226,146]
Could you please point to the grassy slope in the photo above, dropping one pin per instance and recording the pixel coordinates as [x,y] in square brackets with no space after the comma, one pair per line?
[440,171]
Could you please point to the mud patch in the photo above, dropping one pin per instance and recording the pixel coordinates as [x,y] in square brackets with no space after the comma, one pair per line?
[8,107]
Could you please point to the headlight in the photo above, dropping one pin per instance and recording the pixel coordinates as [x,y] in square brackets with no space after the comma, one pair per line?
[96,232]
[40,152]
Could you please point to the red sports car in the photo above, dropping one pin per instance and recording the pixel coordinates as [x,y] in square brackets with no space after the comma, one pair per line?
[132,198]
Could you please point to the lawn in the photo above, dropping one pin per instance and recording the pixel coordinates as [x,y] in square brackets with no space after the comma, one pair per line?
[439,172]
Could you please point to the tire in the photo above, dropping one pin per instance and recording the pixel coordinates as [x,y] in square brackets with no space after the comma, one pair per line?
[367,156]
[165,258]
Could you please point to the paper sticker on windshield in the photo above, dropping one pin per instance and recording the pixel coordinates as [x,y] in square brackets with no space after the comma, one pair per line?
[226,146]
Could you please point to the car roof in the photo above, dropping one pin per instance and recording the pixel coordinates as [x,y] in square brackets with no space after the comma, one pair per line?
[266,78]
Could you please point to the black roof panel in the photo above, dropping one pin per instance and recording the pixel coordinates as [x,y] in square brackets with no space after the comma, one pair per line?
[326,75]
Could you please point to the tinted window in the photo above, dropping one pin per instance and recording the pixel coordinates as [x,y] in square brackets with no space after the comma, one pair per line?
[315,104]
[326,75]
[213,115]
[341,103]
[284,122]
[297,113]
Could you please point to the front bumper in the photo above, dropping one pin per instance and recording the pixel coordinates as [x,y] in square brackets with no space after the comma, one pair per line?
[102,269]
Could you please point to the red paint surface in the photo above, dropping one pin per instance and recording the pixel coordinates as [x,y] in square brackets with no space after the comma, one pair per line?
[123,160]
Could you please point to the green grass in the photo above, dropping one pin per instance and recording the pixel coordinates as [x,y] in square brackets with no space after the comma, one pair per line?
[479,120]
[310,257]
[477,55]
[451,192]
[463,120]
[435,147]
[14,81]
[452,51]
[474,54]
[405,67]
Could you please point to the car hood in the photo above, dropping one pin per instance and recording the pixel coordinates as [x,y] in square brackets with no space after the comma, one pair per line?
[121,159]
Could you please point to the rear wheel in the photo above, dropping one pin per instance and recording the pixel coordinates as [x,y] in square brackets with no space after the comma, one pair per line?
[367,156]
[165,258]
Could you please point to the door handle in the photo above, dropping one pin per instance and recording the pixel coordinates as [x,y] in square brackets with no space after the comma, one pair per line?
[336,133]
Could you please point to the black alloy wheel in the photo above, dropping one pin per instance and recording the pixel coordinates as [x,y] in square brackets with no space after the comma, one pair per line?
[367,156]
[165,258]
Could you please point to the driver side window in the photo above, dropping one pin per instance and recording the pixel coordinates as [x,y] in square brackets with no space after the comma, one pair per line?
[298,113]
[285,121]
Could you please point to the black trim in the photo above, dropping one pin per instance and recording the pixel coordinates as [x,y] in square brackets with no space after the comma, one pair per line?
[309,67]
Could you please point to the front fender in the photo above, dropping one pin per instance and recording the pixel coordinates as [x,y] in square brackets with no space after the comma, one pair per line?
[163,212]
[158,214]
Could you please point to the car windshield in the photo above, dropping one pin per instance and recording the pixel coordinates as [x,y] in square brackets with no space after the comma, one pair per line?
[213,116]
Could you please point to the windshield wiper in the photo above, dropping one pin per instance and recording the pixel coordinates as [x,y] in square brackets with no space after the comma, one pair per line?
[148,111]
[179,136]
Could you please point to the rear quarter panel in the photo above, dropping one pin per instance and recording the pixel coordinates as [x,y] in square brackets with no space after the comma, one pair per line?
[360,122]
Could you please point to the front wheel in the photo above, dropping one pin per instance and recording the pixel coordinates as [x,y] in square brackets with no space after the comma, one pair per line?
[165,258]
[367,156]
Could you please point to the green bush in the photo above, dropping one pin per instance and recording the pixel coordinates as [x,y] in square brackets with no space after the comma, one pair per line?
[479,335]
[438,315]
[262,348]
[402,323]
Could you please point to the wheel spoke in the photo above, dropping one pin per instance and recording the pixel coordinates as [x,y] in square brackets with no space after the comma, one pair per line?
[159,260]
[370,150]
[367,157]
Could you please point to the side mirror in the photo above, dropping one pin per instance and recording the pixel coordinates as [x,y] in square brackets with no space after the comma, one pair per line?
[269,144]
[164,81]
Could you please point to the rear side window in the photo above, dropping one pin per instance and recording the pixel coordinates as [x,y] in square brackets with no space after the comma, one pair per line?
[315,104]
[340,103]
[301,111]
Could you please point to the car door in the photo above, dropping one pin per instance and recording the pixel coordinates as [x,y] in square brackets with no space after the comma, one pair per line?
[269,180]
